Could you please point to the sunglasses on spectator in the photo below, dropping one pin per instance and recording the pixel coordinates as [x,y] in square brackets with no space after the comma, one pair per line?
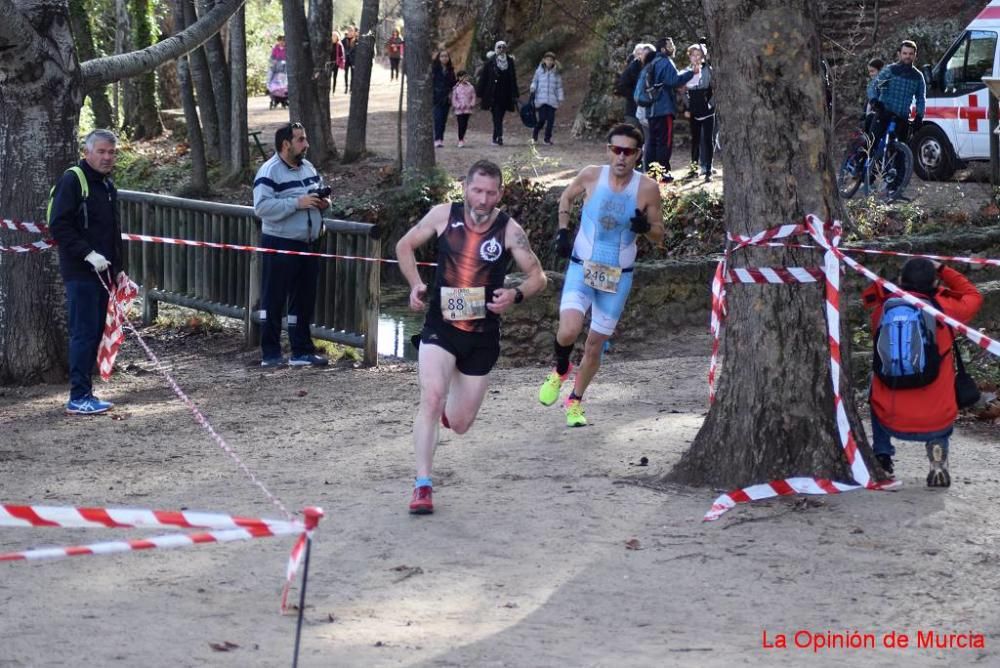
[627,151]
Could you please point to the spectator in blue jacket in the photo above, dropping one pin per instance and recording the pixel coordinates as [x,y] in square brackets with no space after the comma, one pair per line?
[665,78]
[289,198]
[896,88]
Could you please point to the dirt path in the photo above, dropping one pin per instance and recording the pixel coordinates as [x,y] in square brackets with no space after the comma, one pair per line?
[524,564]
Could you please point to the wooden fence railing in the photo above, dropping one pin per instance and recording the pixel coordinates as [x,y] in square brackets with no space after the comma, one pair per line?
[226,282]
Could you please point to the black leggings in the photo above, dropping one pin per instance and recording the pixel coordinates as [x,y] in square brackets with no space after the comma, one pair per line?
[393,68]
[463,125]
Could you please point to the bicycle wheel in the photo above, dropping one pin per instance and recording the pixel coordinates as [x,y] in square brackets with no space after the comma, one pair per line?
[903,159]
[888,174]
[853,168]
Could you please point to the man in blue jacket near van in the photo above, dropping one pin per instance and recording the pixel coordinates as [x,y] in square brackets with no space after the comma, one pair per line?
[665,78]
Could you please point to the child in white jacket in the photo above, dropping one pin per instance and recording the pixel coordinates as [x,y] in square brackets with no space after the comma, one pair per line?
[547,88]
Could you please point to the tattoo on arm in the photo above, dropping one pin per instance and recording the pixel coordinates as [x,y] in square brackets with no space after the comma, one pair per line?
[521,240]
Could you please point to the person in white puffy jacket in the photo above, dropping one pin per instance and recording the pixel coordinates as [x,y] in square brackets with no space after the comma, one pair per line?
[547,88]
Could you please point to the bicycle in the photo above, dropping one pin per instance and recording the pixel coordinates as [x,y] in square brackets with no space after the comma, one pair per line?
[884,171]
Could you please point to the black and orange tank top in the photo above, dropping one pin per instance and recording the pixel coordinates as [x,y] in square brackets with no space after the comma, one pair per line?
[470,259]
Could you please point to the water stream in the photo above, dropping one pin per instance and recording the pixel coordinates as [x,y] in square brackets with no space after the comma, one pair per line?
[397,323]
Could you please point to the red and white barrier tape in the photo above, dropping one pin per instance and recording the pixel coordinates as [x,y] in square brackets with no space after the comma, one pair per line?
[70,517]
[33,247]
[256,249]
[113,336]
[774,275]
[872,251]
[779,232]
[859,470]
[223,529]
[24,226]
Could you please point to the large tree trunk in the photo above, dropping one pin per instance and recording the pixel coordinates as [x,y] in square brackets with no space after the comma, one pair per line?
[196,141]
[142,117]
[218,70]
[418,15]
[320,26]
[774,411]
[239,150]
[357,118]
[84,38]
[302,99]
[202,80]
[40,100]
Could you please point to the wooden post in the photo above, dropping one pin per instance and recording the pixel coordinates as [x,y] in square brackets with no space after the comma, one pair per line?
[149,279]
[251,330]
[374,249]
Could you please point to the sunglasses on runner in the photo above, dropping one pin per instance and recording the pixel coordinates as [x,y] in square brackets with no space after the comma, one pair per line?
[627,151]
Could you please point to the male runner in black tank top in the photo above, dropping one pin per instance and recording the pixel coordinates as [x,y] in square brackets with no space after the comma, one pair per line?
[460,341]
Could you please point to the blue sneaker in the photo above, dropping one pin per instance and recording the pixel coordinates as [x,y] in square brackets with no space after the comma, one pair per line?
[272,362]
[88,406]
[310,359]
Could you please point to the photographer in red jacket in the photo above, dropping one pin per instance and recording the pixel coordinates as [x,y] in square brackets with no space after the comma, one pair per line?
[925,413]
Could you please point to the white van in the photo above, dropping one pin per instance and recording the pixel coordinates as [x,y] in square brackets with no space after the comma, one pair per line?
[956,120]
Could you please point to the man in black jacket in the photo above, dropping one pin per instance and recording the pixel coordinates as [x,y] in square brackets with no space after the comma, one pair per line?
[497,87]
[84,222]
[629,77]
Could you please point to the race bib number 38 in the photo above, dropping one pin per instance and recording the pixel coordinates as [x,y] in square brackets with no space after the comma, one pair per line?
[463,303]
[601,277]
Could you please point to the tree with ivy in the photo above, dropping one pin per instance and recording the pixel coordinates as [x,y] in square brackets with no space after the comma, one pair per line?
[42,86]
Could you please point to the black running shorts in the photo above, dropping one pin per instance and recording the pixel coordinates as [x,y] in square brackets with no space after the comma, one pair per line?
[475,352]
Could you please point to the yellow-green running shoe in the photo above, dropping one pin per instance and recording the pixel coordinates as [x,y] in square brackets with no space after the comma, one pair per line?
[548,393]
[574,413]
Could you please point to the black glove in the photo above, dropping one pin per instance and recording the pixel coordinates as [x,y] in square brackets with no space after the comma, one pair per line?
[877,106]
[918,120]
[375,232]
[564,247]
[640,224]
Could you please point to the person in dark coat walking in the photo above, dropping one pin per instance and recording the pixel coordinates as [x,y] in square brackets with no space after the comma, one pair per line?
[497,87]
[350,43]
[444,81]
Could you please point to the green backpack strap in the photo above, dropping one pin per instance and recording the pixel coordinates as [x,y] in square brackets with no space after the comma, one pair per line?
[84,190]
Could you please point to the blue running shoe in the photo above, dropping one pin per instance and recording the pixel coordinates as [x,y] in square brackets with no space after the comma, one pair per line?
[311,359]
[88,406]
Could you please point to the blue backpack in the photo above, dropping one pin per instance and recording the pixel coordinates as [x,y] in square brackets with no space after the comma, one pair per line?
[906,352]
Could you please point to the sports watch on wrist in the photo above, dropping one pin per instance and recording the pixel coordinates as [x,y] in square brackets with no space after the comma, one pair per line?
[518,296]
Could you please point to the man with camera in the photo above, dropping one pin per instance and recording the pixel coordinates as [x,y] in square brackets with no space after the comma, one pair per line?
[289,197]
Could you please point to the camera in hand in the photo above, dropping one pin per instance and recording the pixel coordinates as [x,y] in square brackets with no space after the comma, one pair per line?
[322,193]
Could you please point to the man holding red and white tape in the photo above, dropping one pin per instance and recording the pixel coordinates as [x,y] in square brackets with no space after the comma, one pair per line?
[84,222]
[926,411]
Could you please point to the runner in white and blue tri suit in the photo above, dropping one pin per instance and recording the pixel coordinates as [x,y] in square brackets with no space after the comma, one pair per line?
[620,205]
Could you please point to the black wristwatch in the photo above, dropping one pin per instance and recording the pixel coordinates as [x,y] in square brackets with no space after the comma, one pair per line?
[518,296]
